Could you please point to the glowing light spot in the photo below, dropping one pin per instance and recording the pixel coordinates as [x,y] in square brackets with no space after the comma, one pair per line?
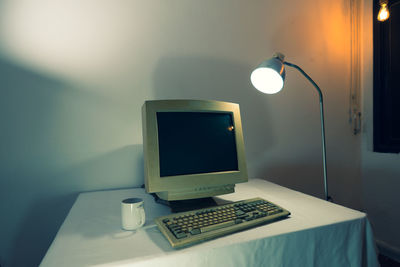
[383,13]
[267,80]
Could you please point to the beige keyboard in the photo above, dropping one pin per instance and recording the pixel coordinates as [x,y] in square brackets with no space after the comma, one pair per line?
[191,227]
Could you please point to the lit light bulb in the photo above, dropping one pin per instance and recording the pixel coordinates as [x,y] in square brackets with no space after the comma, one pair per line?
[267,80]
[383,13]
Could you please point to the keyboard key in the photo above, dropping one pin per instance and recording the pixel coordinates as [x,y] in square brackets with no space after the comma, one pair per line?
[239,213]
[181,235]
[217,226]
[195,231]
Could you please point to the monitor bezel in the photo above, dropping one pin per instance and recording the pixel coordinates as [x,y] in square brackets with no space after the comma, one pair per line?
[153,181]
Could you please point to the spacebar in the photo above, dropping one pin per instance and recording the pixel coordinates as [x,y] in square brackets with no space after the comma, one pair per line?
[217,226]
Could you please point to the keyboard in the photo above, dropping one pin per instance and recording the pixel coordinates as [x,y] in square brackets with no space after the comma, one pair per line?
[191,227]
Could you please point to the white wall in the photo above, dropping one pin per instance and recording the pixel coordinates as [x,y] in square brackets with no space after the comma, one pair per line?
[74,75]
[380,171]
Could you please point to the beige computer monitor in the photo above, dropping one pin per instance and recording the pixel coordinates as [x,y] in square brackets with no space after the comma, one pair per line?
[193,185]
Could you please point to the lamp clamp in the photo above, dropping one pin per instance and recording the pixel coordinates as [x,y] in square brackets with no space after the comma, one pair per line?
[280,56]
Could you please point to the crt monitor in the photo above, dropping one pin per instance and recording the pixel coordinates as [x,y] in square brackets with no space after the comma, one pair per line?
[192,148]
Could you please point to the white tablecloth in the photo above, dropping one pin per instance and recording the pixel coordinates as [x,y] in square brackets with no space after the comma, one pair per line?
[317,233]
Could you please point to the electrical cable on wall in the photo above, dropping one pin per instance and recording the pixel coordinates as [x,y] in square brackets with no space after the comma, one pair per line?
[355,67]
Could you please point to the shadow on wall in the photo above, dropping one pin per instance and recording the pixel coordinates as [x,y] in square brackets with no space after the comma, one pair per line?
[55,143]
[120,168]
[308,178]
[218,79]
[300,177]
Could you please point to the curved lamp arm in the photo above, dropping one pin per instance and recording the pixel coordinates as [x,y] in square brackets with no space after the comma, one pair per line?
[321,108]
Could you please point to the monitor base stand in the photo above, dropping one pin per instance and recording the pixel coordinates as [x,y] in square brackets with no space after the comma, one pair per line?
[191,204]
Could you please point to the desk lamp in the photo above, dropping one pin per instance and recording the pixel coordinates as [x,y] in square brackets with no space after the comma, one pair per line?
[269,78]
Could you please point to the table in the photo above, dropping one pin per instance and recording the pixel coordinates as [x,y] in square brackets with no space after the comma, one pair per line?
[317,233]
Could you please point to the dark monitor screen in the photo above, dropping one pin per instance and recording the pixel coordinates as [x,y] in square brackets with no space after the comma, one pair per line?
[196,142]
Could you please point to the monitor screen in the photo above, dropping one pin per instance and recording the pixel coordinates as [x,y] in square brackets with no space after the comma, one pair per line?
[196,142]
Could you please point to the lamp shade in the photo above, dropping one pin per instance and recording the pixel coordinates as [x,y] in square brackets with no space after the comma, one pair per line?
[269,76]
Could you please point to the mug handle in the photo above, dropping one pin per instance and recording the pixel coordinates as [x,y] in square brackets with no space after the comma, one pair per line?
[142,217]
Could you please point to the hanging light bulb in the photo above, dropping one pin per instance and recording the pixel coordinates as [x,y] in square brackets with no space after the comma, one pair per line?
[384,11]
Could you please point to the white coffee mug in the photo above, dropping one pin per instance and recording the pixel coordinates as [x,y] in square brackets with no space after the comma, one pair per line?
[132,213]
